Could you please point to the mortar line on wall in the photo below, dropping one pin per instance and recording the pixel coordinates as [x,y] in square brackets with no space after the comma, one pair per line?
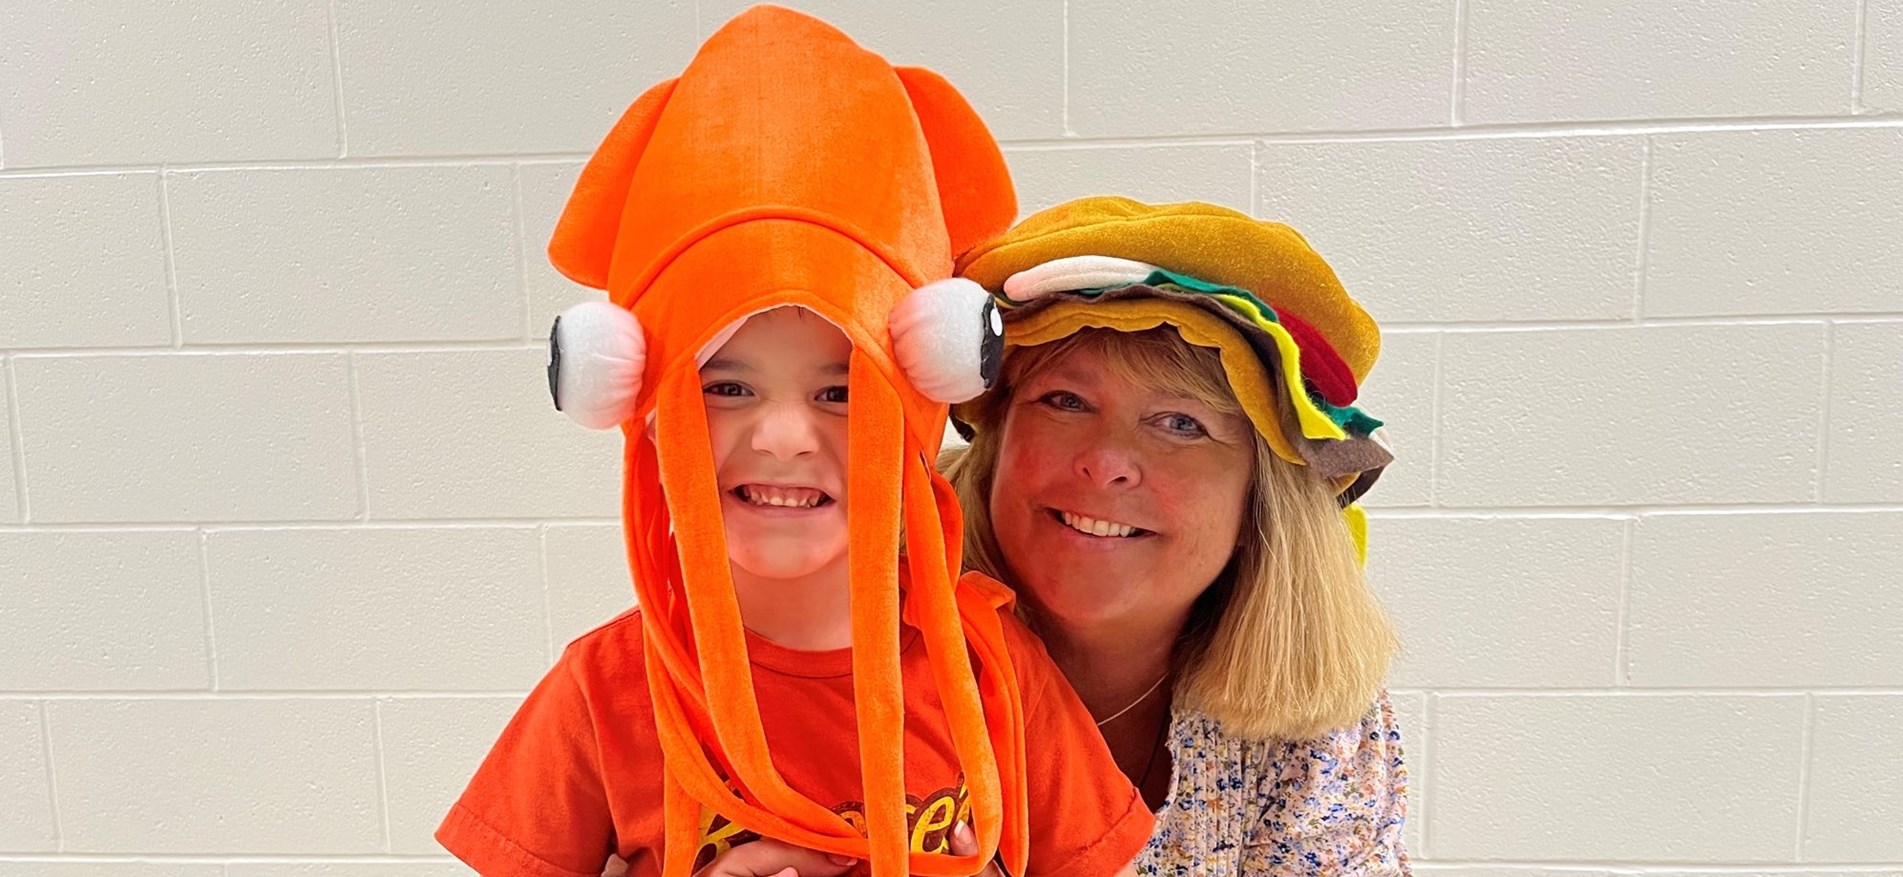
[1255,182]
[1859,36]
[383,773]
[171,260]
[521,255]
[1806,750]
[14,431]
[548,602]
[1064,53]
[1458,109]
[361,454]
[337,76]
[1621,667]
[1639,261]
[1433,443]
[52,777]
[1823,416]
[204,591]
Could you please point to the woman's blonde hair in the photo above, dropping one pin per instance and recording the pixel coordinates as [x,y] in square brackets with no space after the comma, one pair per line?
[1288,641]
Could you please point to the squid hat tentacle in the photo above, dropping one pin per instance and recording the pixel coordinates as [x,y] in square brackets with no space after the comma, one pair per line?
[1253,290]
[728,191]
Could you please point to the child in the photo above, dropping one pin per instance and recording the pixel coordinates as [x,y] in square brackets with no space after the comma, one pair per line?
[766,226]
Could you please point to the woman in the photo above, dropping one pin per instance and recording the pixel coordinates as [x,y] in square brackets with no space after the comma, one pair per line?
[1176,518]
[1165,471]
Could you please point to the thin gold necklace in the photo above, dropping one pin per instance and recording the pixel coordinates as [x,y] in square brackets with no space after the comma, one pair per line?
[1133,704]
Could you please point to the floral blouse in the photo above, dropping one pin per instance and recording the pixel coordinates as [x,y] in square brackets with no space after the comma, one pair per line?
[1333,805]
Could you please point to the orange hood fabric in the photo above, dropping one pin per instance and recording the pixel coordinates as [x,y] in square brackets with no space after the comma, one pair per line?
[788,166]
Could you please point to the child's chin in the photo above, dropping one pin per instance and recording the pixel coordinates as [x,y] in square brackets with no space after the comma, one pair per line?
[789,562]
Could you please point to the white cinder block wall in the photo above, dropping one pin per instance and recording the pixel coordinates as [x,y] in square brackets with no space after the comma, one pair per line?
[287,525]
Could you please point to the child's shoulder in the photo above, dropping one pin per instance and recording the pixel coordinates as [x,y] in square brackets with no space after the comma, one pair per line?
[1029,658]
[611,652]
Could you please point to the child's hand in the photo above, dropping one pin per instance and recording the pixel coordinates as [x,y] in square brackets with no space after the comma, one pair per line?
[771,858]
[965,843]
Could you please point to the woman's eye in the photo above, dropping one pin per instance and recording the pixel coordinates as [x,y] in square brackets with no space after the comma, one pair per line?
[835,395]
[1062,401]
[724,388]
[1183,424]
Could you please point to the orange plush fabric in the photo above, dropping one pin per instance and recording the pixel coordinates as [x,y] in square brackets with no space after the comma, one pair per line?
[754,181]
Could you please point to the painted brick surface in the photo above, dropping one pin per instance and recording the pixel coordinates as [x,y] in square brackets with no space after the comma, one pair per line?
[251,436]
[1862,463]
[473,434]
[1792,599]
[1523,603]
[102,611]
[1227,66]
[28,791]
[1639,779]
[395,610]
[1549,60]
[217,776]
[1622,415]
[372,254]
[493,77]
[1852,808]
[165,82]
[85,262]
[1218,174]
[1775,222]
[1478,230]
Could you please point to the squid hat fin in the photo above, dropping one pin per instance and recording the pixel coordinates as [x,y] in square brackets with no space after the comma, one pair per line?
[787,166]
[1253,290]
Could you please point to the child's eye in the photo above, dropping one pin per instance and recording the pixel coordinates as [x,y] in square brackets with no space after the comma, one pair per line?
[1063,400]
[726,388]
[835,395]
[1183,424]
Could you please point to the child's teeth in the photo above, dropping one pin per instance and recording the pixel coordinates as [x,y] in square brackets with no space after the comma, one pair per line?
[781,497]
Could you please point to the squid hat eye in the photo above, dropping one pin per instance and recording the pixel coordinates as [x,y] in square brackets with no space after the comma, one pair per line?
[595,358]
[949,339]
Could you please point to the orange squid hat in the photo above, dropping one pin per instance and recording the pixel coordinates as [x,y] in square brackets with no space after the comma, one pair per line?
[787,166]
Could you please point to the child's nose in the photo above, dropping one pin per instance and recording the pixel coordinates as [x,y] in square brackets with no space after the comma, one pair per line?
[785,430]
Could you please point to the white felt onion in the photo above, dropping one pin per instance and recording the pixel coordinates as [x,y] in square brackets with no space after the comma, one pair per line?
[949,339]
[1073,273]
[596,354]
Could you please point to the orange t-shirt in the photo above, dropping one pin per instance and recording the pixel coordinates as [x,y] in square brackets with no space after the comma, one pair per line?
[576,775]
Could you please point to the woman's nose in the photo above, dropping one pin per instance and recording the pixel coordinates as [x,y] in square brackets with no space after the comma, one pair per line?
[785,430]
[1107,461]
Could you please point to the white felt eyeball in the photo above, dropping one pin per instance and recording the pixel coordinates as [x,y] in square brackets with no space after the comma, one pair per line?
[1073,273]
[595,357]
[949,338]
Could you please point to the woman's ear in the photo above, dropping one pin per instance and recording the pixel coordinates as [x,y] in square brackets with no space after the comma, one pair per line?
[584,241]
